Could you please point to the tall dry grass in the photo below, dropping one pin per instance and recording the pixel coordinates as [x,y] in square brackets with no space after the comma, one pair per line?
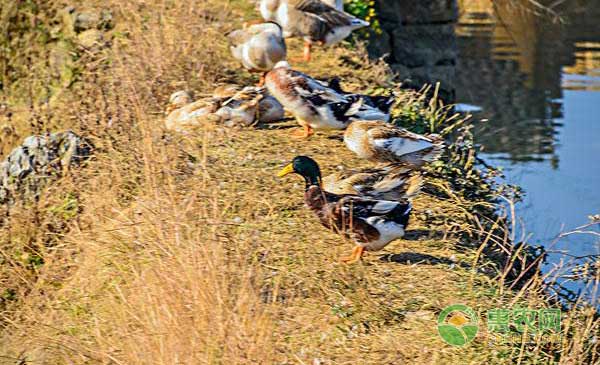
[144,274]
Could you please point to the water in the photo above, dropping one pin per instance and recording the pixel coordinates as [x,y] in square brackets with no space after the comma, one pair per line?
[536,82]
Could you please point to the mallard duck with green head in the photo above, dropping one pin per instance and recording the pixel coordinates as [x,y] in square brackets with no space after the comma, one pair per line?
[371,223]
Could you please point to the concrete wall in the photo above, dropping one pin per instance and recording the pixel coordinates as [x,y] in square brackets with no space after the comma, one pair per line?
[418,41]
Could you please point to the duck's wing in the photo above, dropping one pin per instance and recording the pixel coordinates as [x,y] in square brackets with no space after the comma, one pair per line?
[327,14]
[249,93]
[311,90]
[396,183]
[332,83]
[209,103]
[364,208]
[381,102]
[387,139]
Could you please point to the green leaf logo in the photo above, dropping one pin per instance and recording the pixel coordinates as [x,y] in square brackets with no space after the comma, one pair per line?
[458,325]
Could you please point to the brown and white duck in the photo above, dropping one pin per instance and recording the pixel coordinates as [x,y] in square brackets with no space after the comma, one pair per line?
[371,223]
[315,105]
[312,20]
[383,142]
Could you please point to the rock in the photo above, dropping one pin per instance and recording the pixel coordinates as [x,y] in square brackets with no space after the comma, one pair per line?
[61,63]
[91,38]
[76,21]
[102,20]
[86,20]
[37,160]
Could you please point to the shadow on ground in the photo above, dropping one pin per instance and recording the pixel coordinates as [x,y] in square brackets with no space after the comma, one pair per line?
[414,258]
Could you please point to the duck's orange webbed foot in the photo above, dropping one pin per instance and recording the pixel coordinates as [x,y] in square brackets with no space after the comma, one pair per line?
[306,54]
[307,49]
[356,255]
[303,133]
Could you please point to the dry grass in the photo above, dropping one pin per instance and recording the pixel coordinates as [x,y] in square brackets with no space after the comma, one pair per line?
[187,249]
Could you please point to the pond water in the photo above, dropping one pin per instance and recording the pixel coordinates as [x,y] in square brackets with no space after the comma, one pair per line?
[536,82]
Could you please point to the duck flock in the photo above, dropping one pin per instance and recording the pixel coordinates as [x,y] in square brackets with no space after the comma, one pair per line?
[370,206]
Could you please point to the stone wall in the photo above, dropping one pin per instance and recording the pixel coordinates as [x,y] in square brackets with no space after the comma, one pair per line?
[418,41]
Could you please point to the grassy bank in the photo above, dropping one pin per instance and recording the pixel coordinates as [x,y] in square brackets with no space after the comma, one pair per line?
[171,249]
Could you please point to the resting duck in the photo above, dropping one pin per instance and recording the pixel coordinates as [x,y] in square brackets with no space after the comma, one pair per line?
[183,114]
[240,109]
[371,223]
[315,105]
[382,142]
[312,20]
[249,106]
[259,47]
[391,182]
[225,91]
[269,109]
[229,105]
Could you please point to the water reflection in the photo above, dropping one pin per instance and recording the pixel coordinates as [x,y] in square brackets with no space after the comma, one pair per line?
[536,81]
[515,64]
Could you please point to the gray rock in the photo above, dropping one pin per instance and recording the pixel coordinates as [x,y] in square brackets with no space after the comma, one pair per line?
[91,38]
[86,20]
[37,160]
[76,21]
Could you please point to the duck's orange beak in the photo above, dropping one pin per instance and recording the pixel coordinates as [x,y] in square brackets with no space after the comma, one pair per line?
[288,169]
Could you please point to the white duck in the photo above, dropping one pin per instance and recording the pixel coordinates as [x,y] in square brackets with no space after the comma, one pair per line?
[259,47]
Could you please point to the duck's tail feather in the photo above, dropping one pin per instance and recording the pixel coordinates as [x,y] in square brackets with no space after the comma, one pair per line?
[427,155]
[359,23]
[383,102]
[401,213]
